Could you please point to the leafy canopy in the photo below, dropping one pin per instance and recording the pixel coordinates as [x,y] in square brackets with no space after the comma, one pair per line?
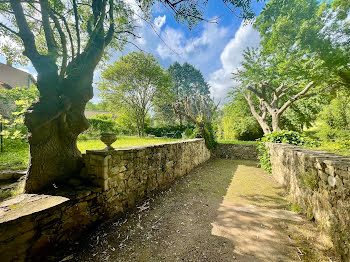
[309,37]
[136,82]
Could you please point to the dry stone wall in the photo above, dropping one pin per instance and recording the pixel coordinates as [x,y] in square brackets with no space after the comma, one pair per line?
[318,182]
[235,151]
[127,175]
[32,225]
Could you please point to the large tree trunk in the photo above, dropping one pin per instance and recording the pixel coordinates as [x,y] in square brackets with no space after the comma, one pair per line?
[276,122]
[143,127]
[54,124]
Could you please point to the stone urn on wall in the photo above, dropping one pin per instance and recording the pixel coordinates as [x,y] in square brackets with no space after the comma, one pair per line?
[108,139]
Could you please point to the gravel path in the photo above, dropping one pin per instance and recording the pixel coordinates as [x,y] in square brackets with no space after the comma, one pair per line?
[224,210]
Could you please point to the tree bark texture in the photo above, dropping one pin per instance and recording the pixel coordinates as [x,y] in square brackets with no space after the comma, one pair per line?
[56,120]
[54,124]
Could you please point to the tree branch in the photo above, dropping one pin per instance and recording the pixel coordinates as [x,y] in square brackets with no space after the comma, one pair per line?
[296,97]
[63,43]
[9,29]
[110,32]
[26,34]
[49,36]
[68,31]
[260,119]
[76,17]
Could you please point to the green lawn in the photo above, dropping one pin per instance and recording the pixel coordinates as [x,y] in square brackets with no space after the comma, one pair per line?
[16,152]
[125,141]
[15,155]
[335,147]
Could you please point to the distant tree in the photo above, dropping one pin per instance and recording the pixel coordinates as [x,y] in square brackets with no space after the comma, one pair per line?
[101,106]
[274,91]
[137,82]
[188,81]
[237,122]
[200,110]
[334,119]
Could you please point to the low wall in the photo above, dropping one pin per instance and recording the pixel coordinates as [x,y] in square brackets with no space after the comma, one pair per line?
[32,225]
[319,182]
[235,151]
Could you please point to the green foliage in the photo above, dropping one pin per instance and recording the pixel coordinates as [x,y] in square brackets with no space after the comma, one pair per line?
[126,122]
[237,122]
[310,179]
[135,83]
[188,132]
[170,131]
[13,103]
[334,120]
[300,31]
[100,124]
[207,132]
[295,208]
[258,68]
[15,155]
[288,137]
[102,106]
[187,81]
[209,135]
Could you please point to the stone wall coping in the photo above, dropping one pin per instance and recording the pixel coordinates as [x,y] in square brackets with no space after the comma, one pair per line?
[139,148]
[27,204]
[325,156]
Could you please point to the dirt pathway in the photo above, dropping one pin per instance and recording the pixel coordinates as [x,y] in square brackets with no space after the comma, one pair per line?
[224,210]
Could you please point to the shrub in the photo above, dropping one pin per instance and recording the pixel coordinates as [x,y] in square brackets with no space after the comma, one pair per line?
[335,120]
[169,131]
[188,132]
[209,135]
[238,123]
[13,104]
[289,137]
[98,126]
[102,125]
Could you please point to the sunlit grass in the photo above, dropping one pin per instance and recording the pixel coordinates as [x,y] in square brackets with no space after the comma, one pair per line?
[125,141]
[16,152]
[335,147]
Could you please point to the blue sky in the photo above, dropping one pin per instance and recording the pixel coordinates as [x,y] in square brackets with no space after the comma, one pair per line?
[215,49]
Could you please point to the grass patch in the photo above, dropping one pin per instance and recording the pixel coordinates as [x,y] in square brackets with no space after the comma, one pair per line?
[295,208]
[335,147]
[16,152]
[15,155]
[122,142]
[237,142]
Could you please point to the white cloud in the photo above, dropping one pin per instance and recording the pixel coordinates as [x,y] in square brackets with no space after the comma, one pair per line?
[231,57]
[181,48]
[159,22]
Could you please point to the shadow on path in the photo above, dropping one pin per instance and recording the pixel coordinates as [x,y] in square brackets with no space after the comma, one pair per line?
[224,210]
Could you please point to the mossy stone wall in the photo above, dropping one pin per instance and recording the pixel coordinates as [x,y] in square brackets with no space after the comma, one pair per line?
[318,182]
